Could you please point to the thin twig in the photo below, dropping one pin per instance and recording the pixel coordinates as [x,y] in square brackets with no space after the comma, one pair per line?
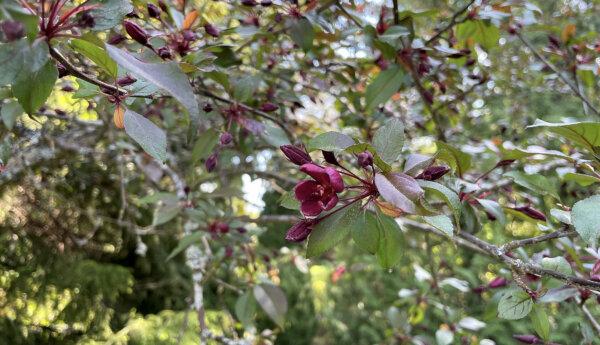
[554,69]
[450,25]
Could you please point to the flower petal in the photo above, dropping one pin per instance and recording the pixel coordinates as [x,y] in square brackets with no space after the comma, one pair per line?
[316,172]
[307,190]
[311,208]
[335,179]
[331,202]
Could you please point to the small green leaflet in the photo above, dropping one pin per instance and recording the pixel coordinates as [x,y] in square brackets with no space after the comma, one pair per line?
[245,308]
[441,222]
[205,144]
[584,216]
[536,183]
[389,140]
[302,33]
[540,322]
[150,137]
[10,112]
[273,301]
[494,209]
[391,241]
[456,159]
[332,230]
[384,86]
[514,305]
[481,31]
[185,242]
[33,89]
[330,141]
[95,53]
[365,232]
[586,134]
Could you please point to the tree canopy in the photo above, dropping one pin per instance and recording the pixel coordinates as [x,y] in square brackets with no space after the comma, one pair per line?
[299,172]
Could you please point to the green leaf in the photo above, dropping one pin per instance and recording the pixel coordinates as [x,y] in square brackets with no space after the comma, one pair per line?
[332,230]
[205,144]
[110,13]
[167,76]
[150,137]
[392,34]
[98,55]
[514,305]
[330,141]
[245,307]
[165,211]
[288,201]
[445,193]
[273,301]
[274,135]
[20,58]
[441,222]
[244,87]
[389,139]
[540,322]
[302,33]
[32,89]
[561,215]
[584,216]
[581,179]
[365,231]
[494,209]
[458,160]
[10,112]
[415,162]
[185,242]
[481,31]
[537,183]
[586,134]
[86,89]
[391,241]
[558,264]
[384,86]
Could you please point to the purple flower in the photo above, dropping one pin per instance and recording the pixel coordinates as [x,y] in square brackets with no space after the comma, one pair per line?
[320,194]
[365,159]
[433,173]
[226,138]
[300,231]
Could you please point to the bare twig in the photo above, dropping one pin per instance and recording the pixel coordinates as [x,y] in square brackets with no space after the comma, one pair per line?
[453,21]
[534,240]
[591,318]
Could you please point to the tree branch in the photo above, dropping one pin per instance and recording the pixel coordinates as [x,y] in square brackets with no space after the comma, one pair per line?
[451,24]
[554,69]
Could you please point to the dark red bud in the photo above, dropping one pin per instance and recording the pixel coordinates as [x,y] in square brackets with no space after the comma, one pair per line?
[126,80]
[433,172]
[472,14]
[428,96]
[62,70]
[266,3]
[207,107]
[13,30]
[505,162]
[136,32]
[512,30]
[554,41]
[299,231]
[250,3]
[68,88]
[585,294]
[153,10]
[527,339]
[226,138]
[86,20]
[382,63]
[223,228]
[165,53]
[268,107]
[228,251]
[295,154]
[330,157]
[278,17]
[116,39]
[479,289]
[212,30]
[162,5]
[498,282]
[531,212]
[470,62]
[189,36]
[365,159]
[211,162]
[242,230]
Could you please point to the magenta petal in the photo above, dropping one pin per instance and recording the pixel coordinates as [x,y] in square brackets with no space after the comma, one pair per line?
[311,208]
[299,232]
[331,202]
[335,179]
[315,172]
[307,190]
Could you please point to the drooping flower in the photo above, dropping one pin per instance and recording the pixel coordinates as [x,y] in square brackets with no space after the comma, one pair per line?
[295,154]
[320,194]
[300,231]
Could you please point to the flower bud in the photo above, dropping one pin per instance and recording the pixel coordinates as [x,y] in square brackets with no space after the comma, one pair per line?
[498,282]
[136,32]
[295,154]
[62,70]
[300,231]
[118,117]
[226,138]
[365,159]
[330,157]
[126,80]
[241,230]
[266,3]
[162,5]
[212,30]
[86,20]
[13,30]
[512,30]
[527,338]
[153,10]
[268,107]
[189,36]
[223,227]
[228,251]
[531,212]
[211,162]
[207,107]
[433,173]
[249,3]
[165,53]
[116,39]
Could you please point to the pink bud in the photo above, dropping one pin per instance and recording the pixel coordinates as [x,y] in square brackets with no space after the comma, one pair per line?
[527,338]
[300,231]
[433,173]
[295,154]
[211,162]
[13,30]
[531,212]
[268,107]
[226,138]
[498,282]
[126,80]
[153,10]
[365,159]
[165,53]
[249,3]
[136,32]
[116,39]
[212,30]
